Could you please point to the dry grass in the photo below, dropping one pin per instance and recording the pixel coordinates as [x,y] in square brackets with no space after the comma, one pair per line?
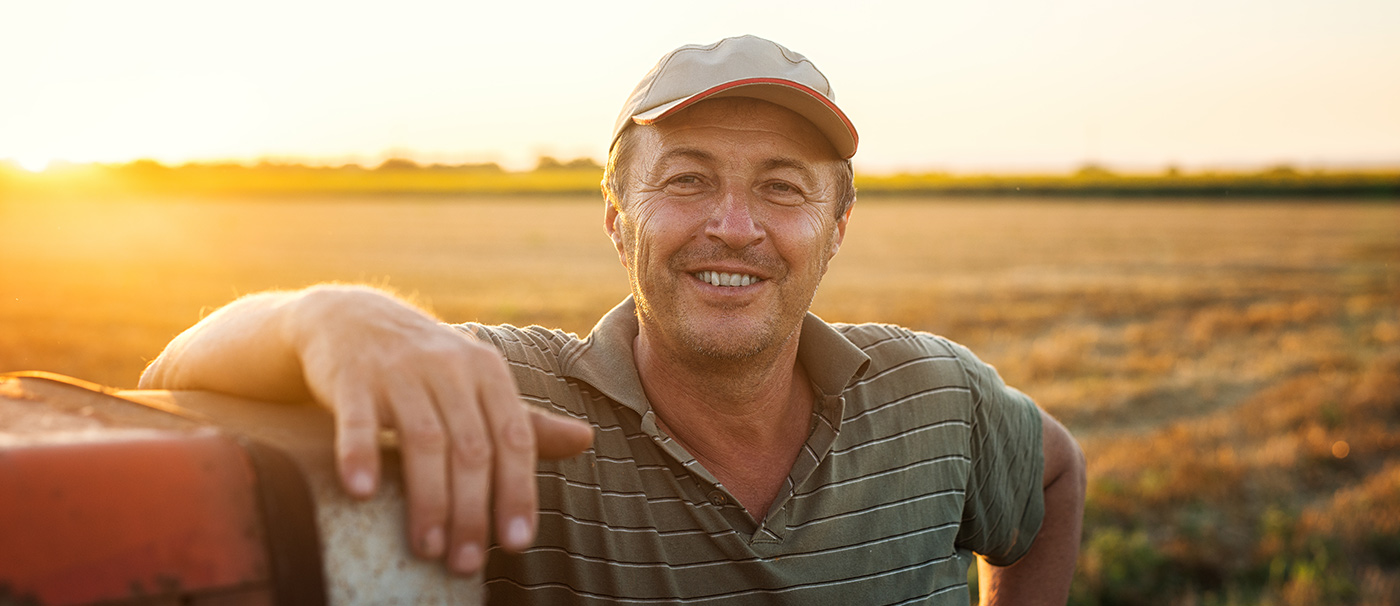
[1233,370]
[95,289]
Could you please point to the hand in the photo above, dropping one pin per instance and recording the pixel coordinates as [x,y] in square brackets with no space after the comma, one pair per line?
[469,443]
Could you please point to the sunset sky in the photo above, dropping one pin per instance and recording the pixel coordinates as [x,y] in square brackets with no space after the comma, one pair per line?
[1003,85]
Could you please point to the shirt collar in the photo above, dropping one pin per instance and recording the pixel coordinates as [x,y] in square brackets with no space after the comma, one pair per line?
[604,358]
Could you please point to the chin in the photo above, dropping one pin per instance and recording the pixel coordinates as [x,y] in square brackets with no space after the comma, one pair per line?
[731,338]
[717,332]
[722,349]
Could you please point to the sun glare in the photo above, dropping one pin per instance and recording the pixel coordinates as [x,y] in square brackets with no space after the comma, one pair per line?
[33,164]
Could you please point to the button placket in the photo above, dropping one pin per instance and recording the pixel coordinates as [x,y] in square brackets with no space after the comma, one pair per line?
[718,498]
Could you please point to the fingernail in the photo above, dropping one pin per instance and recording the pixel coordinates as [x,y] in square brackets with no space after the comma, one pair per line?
[361,483]
[468,558]
[518,533]
[433,542]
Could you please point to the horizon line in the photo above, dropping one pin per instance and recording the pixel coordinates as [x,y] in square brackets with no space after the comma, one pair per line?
[551,162]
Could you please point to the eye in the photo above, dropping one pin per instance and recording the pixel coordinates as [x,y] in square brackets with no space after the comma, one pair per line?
[783,192]
[685,183]
[686,180]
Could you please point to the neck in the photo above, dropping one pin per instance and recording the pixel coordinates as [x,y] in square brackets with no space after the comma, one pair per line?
[745,420]
[738,390]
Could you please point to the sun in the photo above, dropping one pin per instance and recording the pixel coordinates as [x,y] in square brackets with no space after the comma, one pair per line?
[33,164]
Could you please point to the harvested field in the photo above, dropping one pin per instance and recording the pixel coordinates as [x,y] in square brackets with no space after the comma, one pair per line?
[1232,369]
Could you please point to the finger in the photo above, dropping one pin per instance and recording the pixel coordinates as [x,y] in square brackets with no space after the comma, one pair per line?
[558,436]
[514,484]
[469,469]
[423,442]
[356,442]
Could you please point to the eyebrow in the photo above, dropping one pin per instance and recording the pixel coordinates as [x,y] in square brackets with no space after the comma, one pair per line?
[797,165]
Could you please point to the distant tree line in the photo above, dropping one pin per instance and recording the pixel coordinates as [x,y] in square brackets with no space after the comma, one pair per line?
[544,163]
[581,175]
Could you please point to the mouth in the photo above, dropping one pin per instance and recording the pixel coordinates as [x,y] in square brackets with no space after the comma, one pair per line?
[716,278]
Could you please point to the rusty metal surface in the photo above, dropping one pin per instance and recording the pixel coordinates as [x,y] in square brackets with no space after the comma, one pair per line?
[93,515]
[365,550]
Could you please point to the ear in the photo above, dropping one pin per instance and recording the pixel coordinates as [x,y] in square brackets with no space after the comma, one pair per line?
[840,232]
[611,218]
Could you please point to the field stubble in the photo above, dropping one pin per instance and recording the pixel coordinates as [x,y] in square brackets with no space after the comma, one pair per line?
[1231,369]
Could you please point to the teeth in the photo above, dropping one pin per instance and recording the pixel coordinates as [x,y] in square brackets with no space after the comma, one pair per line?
[722,279]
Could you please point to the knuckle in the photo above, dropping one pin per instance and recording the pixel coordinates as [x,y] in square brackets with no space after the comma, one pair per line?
[423,438]
[480,353]
[470,453]
[517,435]
[440,347]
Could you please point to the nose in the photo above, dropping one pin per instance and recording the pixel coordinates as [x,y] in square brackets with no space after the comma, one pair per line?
[732,220]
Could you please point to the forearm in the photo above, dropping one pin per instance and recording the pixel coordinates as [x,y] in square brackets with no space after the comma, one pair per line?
[244,348]
[1043,575]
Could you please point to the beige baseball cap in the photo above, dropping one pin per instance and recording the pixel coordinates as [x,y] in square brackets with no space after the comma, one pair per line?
[744,66]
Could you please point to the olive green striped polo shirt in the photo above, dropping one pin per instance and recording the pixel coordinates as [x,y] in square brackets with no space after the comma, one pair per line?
[917,457]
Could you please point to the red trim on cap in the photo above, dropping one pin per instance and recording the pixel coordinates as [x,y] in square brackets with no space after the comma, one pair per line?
[700,96]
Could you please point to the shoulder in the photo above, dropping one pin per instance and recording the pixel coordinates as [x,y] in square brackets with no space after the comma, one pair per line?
[515,342]
[892,339]
[534,353]
[890,346]
[942,360]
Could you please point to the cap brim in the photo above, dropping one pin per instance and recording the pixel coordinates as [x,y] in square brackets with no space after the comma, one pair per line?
[809,104]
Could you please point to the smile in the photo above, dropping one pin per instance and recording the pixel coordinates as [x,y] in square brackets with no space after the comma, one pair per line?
[716,278]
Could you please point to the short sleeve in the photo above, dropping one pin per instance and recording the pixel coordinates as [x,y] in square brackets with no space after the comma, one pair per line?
[533,357]
[1005,501]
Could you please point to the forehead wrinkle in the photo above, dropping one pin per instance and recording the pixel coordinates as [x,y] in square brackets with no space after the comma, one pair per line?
[692,153]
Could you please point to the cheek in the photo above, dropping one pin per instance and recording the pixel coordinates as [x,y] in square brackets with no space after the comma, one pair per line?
[641,237]
[659,229]
[627,240]
[808,235]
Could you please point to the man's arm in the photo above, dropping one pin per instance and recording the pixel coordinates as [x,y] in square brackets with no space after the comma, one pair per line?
[1043,575]
[469,443]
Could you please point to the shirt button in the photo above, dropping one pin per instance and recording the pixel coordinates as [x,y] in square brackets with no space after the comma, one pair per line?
[718,499]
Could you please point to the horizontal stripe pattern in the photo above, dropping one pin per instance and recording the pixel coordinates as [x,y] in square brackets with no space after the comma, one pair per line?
[889,509]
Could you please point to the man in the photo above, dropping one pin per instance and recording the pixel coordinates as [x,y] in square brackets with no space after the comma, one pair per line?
[742,450]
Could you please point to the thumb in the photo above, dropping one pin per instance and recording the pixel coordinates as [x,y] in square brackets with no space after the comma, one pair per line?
[558,436]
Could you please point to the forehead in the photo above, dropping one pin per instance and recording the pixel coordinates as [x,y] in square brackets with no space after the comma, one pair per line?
[739,126]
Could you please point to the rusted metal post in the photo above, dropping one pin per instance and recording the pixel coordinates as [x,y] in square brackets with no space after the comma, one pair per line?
[170,497]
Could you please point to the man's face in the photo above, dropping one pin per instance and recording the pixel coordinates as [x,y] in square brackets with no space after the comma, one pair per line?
[727,225]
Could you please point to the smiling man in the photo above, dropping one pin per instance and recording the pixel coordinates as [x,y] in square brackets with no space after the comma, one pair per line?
[742,450]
